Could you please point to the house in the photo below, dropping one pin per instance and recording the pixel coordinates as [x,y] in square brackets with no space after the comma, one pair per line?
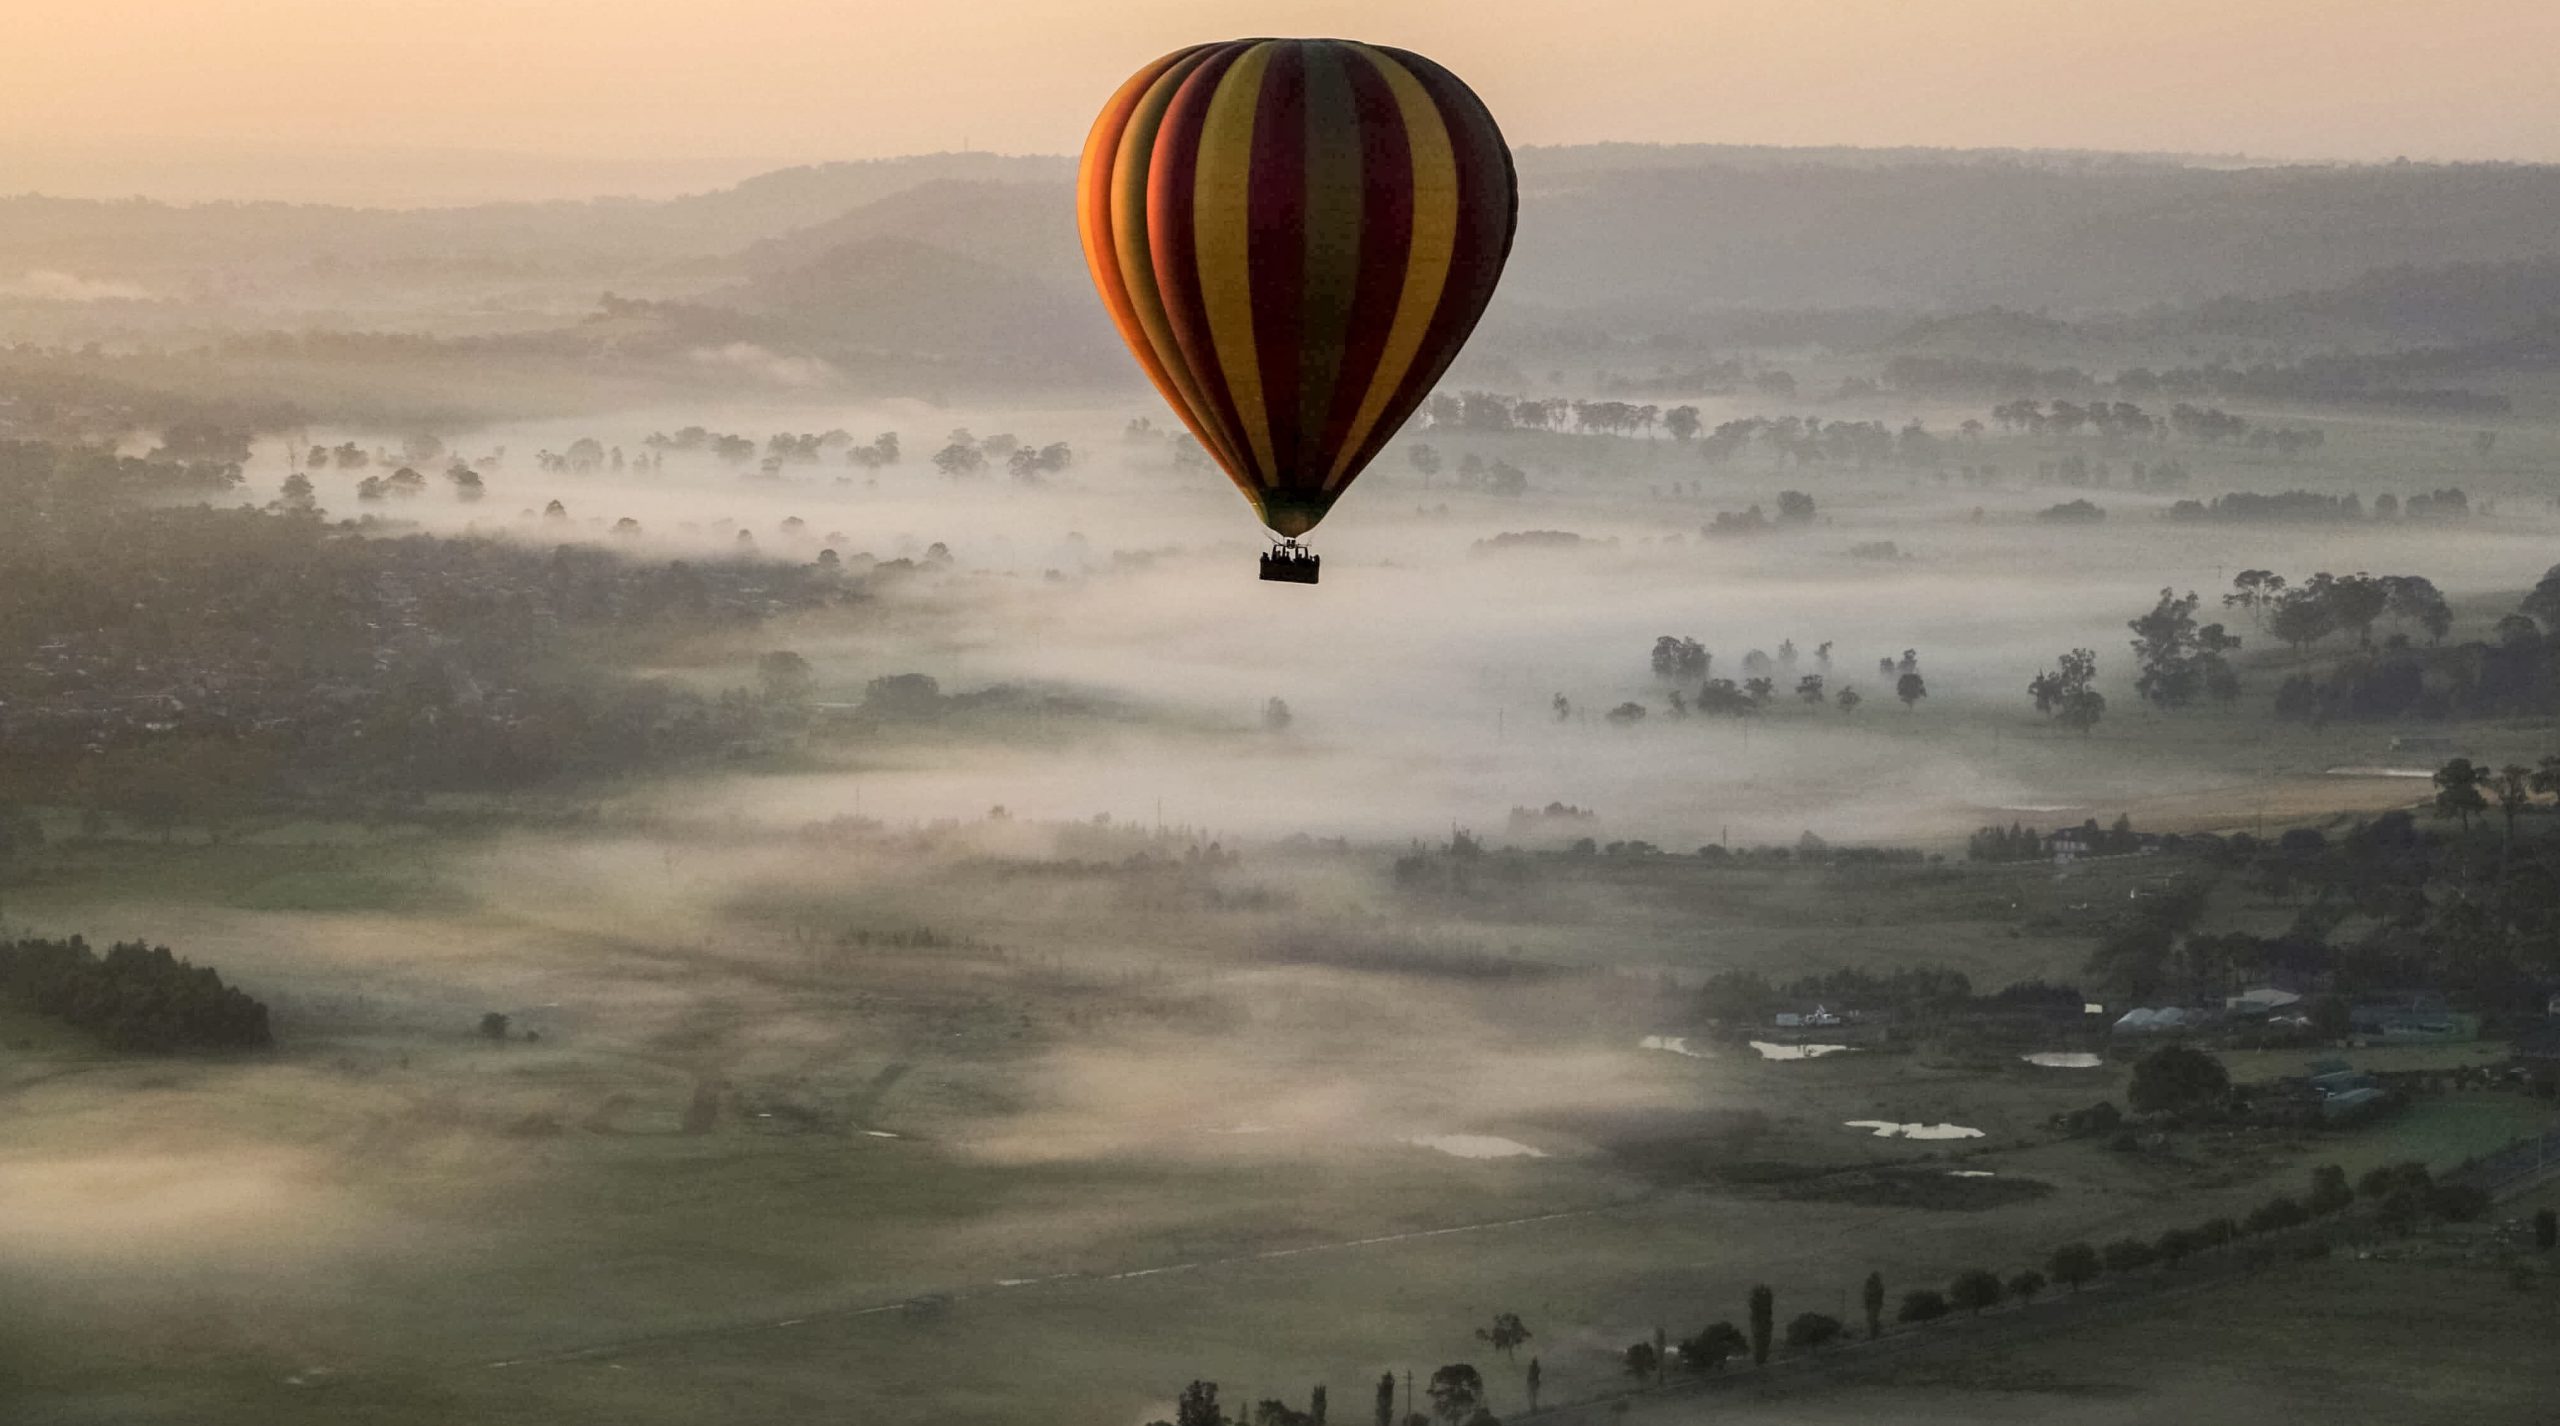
[2411,1019]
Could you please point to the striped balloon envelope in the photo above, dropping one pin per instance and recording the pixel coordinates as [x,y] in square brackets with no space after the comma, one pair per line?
[1295,238]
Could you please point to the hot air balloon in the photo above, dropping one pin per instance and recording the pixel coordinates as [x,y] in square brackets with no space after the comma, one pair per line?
[1295,238]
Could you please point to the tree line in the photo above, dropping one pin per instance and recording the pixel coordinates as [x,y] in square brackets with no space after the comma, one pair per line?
[136,997]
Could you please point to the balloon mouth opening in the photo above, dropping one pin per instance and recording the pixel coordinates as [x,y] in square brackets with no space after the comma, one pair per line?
[1291,516]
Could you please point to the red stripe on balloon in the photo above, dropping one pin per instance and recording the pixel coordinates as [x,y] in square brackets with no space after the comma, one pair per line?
[1172,243]
[1276,258]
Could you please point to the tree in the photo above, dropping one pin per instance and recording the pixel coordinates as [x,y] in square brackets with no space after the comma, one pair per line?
[1456,1391]
[1276,717]
[2514,786]
[2458,786]
[1975,1289]
[2176,1077]
[2301,618]
[493,1026]
[1198,1406]
[1639,1360]
[1386,1399]
[2413,599]
[1764,1311]
[1848,699]
[1316,1406]
[1505,1334]
[1922,1304]
[2177,661]
[2329,1191]
[2546,1229]
[1680,660]
[2074,1265]
[1809,688]
[2546,776]
[2025,1283]
[960,458]
[786,676]
[2065,694]
[1910,688]
[1810,1331]
[1537,1377]
[2254,592]
[1871,1297]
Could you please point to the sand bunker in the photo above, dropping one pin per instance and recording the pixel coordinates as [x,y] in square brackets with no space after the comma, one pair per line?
[1887,1129]
[1772,1051]
[2063,1059]
[1476,1146]
[1672,1044]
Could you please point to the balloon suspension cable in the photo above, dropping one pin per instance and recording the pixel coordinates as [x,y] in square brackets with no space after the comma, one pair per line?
[1288,562]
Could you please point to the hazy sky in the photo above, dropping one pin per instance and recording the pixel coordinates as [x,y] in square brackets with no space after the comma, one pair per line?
[432,99]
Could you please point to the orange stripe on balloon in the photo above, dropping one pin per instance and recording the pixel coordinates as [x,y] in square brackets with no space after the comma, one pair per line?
[1094,195]
[1131,222]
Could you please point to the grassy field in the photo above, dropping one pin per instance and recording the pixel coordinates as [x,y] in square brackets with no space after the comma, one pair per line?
[1138,1136]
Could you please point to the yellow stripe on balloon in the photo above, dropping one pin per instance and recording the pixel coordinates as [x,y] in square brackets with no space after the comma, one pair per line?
[1426,272]
[1222,224]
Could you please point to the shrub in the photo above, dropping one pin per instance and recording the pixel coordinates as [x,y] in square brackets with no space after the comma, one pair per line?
[2176,1244]
[1809,1330]
[2025,1283]
[1922,1304]
[1711,1348]
[2457,1202]
[2073,1265]
[2276,1213]
[1974,1290]
[2384,1181]
[2177,1077]
[2124,1255]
